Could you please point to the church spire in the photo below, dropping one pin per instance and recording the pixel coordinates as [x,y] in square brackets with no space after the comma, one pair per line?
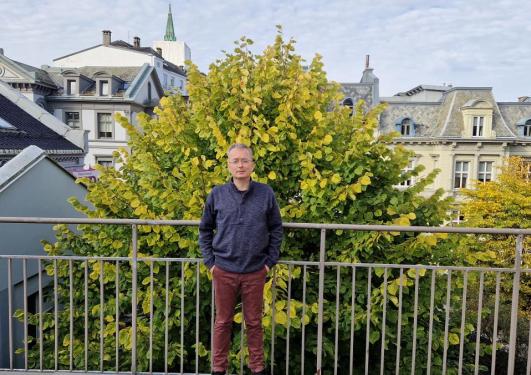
[170,33]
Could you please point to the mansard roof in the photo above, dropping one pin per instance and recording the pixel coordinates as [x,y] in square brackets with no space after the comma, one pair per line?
[24,73]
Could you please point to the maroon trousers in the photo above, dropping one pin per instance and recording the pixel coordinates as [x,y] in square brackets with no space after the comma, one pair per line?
[227,287]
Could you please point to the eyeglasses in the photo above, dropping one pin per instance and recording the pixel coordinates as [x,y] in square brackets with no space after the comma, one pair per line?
[238,161]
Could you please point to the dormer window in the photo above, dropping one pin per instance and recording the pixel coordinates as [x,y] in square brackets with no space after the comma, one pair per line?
[477,119]
[477,126]
[527,129]
[524,127]
[104,88]
[71,87]
[405,126]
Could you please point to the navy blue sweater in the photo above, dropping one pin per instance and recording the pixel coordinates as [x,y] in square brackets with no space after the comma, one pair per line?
[241,231]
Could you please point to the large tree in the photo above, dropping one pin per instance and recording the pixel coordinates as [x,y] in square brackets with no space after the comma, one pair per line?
[326,164]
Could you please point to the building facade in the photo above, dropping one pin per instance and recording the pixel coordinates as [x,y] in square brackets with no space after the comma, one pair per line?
[462,131]
[88,88]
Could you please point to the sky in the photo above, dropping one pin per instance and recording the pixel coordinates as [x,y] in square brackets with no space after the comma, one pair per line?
[462,43]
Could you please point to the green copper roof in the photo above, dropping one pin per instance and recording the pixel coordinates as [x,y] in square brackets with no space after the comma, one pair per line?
[170,34]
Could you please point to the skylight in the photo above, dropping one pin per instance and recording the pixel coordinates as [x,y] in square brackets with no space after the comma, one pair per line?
[6,125]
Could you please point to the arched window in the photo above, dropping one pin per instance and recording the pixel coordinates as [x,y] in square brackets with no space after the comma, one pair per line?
[405,126]
[348,103]
[524,127]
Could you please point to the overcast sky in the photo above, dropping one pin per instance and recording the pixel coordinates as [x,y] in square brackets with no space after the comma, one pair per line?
[464,43]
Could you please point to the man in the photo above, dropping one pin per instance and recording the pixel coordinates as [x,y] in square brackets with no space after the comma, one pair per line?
[240,235]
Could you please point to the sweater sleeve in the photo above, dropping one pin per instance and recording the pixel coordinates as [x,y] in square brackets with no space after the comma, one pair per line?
[274,223]
[206,232]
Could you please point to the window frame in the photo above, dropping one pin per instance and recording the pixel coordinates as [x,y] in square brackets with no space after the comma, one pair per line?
[66,120]
[483,172]
[461,173]
[478,127]
[98,136]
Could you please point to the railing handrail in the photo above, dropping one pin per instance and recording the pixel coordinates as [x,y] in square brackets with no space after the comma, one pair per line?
[193,223]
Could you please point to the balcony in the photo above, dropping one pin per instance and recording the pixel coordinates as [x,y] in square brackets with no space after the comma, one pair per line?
[143,314]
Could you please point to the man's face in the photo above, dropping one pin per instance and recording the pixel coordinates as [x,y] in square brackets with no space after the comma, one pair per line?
[241,163]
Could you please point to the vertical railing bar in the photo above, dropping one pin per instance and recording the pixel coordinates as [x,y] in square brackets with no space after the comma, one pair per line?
[322,249]
[273,317]
[166,315]
[495,328]
[528,366]
[134,265]
[367,336]
[432,303]
[463,318]
[56,317]
[384,318]
[399,323]
[10,309]
[415,319]
[303,337]
[447,319]
[352,321]
[101,315]
[478,327]
[86,314]
[515,303]
[182,318]
[117,317]
[336,334]
[197,318]
[242,334]
[25,304]
[41,338]
[288,310]
[151,317]
[71,277]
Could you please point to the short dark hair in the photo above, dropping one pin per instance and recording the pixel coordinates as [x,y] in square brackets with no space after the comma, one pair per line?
[240,146]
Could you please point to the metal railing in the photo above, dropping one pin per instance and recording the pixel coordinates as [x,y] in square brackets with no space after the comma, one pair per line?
[381,302]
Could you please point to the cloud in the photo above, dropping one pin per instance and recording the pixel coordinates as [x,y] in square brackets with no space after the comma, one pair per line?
[411,42]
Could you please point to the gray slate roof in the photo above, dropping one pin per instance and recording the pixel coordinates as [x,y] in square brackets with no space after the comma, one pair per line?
[30,131]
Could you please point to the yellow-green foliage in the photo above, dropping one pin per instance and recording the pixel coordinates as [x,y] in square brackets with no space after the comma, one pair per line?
[325,164]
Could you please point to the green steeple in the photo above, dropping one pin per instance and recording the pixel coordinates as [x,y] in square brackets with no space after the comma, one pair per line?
[170,34]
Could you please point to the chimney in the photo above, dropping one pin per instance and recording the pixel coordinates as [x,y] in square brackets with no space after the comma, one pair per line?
[367,61]
[136,42]
[2,51]
[106,37]
[159,51]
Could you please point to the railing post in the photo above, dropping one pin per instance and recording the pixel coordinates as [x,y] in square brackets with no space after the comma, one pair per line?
[134,239]
[515,303]
[322,249]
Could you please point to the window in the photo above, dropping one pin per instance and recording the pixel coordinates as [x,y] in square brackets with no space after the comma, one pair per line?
[485,171]
[172,82]
[71,87]
[348,103]
[457,217]
[405,128]
[460,174]
[105,126]
[149,92]
[72,119]
[409,168]
[104,88]
[477,126]
[527,128]
[106,161]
